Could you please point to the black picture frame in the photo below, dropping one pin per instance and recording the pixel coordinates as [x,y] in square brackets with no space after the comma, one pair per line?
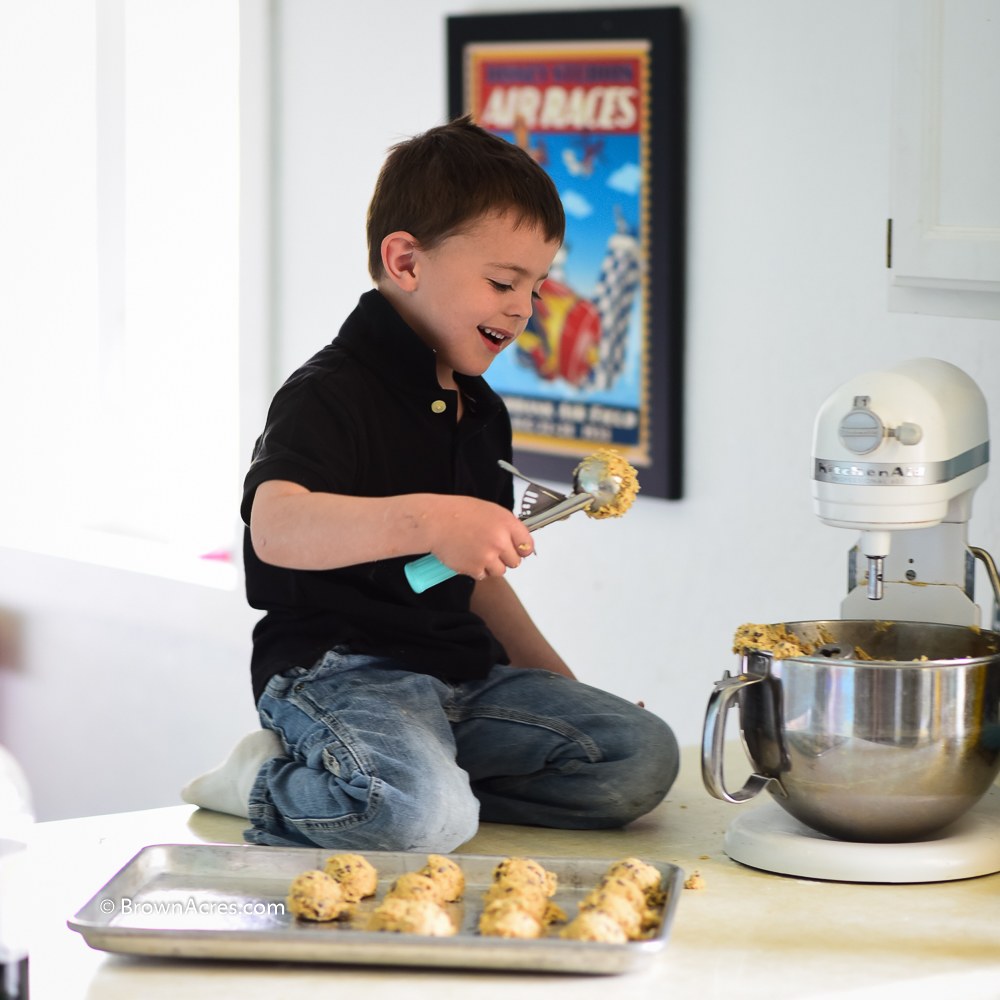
[663,28]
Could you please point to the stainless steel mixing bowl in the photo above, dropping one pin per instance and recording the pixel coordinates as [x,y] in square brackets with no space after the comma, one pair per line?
[883,750]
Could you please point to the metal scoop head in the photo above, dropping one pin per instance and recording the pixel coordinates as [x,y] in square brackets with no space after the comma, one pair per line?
[593,476]
[610,480]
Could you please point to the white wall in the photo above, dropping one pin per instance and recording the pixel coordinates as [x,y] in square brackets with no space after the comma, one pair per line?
[789,171]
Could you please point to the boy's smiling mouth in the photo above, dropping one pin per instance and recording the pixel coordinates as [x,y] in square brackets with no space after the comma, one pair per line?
[494,338]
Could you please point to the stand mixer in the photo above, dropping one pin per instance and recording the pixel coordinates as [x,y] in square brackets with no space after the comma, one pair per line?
[897,456]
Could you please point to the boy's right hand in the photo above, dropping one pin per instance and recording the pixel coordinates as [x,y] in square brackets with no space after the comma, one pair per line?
[475,537]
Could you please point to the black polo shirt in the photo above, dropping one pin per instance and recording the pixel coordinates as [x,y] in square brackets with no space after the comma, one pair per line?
[358,419]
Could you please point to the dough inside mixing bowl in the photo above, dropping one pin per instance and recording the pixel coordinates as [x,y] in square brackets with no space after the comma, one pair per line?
[866,641]
[774,639]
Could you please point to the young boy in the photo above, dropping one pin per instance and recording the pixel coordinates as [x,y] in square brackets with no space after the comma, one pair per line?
[404,719]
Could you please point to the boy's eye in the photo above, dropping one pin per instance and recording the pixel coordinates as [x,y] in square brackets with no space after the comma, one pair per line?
[500,286]
[536,295]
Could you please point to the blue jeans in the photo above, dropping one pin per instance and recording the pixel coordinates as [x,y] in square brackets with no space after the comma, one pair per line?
[381,758]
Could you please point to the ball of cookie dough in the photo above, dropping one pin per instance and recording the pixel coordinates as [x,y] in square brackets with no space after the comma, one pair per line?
[623,474]
[446,875]
[505,918]
[411,916]
[594,925]
[618,907]
[387,914]
[316,896]
[525,871]
[529,898]
[646,877]
[414,885]
[430,918]
[357,877]
[620,887]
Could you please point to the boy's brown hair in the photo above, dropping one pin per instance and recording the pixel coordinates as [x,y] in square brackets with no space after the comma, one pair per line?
[436,183]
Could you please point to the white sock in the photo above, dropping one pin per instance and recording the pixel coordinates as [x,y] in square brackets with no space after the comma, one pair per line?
[226,788]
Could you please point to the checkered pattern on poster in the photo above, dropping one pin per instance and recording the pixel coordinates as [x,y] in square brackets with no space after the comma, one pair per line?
[614,297]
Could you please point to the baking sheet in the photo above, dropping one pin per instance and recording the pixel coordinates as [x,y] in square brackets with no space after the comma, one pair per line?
[227,901]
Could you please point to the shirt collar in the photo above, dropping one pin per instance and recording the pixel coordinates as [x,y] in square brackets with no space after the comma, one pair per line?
[377,336]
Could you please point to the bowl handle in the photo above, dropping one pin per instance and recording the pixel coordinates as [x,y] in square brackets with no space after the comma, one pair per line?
[714,736]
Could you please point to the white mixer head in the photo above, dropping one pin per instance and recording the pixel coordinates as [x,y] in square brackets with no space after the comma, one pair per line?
[893,449]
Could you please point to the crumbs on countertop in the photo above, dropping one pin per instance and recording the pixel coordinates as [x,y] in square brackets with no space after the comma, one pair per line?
[695,881]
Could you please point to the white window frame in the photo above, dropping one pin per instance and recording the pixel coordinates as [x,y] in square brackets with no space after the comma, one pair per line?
[121,551]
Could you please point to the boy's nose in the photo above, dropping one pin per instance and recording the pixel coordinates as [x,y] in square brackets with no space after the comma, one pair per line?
[521,308]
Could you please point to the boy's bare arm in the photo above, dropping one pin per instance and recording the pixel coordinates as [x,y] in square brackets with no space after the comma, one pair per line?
[496,603]
[294,528]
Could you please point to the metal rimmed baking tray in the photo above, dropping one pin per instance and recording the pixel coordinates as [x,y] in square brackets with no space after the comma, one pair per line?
[227,901]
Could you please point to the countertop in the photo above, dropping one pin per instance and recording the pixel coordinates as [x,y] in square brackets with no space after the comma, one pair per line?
[746,935]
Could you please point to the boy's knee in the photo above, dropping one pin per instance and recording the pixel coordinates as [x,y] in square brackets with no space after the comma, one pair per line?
[651,760]
[655,743]
[428,809]
[436,818]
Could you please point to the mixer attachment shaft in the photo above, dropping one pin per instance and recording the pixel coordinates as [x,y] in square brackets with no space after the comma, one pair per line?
[876,566]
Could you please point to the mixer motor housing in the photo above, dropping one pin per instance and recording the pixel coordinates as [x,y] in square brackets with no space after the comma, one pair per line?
[897,455]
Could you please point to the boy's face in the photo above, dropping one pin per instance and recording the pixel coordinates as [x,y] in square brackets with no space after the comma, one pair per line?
[471,296]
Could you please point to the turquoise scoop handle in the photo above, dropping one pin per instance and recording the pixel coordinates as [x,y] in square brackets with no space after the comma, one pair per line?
[427,572]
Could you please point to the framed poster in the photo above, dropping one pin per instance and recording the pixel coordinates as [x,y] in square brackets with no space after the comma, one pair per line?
[596,98]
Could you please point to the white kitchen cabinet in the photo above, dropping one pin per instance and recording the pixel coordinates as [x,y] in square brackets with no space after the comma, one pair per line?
[944,243]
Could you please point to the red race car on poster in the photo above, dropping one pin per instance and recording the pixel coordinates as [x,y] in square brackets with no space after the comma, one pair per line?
[563,335]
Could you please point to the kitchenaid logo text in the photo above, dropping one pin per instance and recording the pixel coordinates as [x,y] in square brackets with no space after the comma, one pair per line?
[886,474]
[871,471]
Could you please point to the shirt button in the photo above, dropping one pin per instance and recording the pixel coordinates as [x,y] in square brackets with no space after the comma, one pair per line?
[439,406]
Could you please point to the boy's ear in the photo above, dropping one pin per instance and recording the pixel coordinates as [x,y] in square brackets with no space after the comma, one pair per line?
[399,253]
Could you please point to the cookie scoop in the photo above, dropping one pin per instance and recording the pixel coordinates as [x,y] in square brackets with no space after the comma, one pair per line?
[604,485]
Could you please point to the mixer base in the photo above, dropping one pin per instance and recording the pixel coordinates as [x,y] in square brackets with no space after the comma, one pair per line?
[770,839]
